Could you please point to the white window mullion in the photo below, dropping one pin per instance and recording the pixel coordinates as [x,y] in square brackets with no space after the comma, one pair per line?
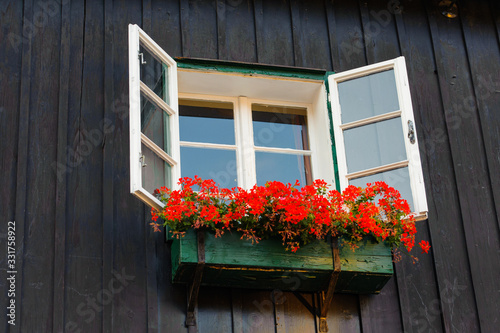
[283,150]
[371,120]
[246,168]
[207,145]
[372,171]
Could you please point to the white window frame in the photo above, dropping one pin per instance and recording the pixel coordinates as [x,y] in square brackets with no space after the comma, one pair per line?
[138,37]
[244,137]
[413,161]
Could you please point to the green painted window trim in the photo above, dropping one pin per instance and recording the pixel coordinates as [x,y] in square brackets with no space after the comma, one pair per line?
[332,136]
[270,70]
[251,68]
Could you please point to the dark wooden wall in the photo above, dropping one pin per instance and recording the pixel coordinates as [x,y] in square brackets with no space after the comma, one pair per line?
[65,169]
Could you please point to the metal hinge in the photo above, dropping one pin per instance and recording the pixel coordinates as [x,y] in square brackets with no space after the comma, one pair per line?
[141,56]
[142,160]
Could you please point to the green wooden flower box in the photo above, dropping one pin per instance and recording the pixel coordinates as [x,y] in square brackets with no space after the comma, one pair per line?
[232,262]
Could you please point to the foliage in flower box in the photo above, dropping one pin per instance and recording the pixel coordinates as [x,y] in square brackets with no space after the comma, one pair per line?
[297,215]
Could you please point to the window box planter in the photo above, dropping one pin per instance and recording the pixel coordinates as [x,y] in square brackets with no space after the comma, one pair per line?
[232,262]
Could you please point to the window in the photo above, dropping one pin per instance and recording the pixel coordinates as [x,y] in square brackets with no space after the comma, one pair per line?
[154,148]
[374,130]
[246,127]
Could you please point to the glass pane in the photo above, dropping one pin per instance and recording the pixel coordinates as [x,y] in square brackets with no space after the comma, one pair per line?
[374,145]
[286,168]
[155,123]
[368,96]
[281,127]
[154,74]
[216,164]
[204,121]
[156,173]
[398,178]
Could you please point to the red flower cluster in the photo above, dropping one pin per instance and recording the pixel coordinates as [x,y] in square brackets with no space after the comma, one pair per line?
[297,215]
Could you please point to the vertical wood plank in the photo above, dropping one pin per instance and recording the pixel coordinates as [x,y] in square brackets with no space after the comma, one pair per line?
[199,29]
[236,30]
[343,315]
[292,315]
[10,73]
[37,154]
[381,42]
[149,240]
[113,110]
[483,53]
[129,226]
[172,298]
[381,313]
[11,61]
[417,284]
[257,311]
[345,35]
[310,34]
[222,50]
[165,301]
[60,165]
[166,26]
[470,165]
[446,232]
[184,22]
[214,310]
[237,310]
[274,32]
[483,57]
[22,165]
[86,131]
[495,13]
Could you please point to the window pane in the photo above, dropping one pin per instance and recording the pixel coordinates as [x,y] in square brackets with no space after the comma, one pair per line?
[286,168]
[155,124]
[398,178]
[154,74]
[368,96]
[204,121]
[280,127]
[156,173]
[216,164]
[374,145]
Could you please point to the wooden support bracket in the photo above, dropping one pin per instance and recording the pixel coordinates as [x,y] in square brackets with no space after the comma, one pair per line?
[194,288]
[325,297]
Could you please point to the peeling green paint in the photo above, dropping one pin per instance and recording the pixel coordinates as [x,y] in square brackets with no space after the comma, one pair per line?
[251,68]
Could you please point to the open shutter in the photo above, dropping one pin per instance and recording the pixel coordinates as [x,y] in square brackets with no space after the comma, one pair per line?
[375,132]
[154,118]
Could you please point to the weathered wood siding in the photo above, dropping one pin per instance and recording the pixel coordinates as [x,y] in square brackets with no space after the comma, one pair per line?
[65,169]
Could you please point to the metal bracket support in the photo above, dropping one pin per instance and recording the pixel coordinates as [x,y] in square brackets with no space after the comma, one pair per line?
[194,288]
